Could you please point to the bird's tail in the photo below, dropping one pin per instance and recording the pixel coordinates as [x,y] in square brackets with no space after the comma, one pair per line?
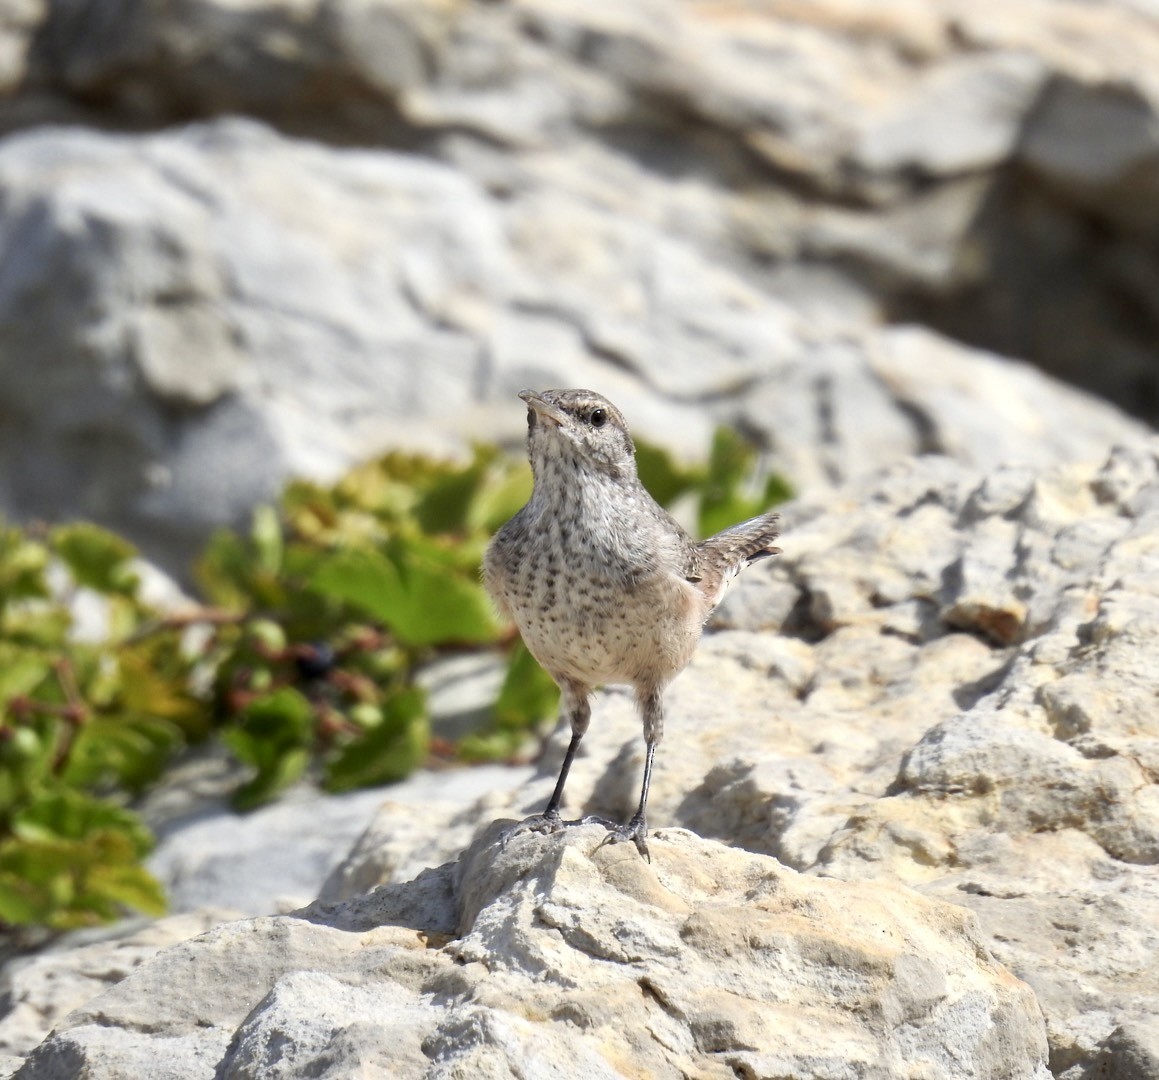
[726,554]
[747,542]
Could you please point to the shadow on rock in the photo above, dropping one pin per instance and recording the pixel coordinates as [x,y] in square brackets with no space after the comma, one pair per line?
[569,956]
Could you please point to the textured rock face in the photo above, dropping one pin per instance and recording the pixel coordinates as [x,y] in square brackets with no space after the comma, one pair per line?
[41,990]
[979,166]
[574,958]
[947,681]
[705,212]
[943,689]
[189,319]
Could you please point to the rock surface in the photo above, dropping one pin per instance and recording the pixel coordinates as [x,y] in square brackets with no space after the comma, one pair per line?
[573,958]
[40,990]
[714,214]
[280,856]
[706,212]
[945,685]
[946,681]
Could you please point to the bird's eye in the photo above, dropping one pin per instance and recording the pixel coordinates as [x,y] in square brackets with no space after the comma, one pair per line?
[598,418]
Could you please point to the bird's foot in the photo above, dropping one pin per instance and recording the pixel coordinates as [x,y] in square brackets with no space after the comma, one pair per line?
[636,830]
[546,823]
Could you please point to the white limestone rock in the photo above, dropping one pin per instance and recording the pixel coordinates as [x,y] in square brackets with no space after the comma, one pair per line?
[545,959]
[946,680]
[175,305]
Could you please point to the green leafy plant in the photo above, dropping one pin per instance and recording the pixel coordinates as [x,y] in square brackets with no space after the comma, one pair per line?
[331,604]
[728,489]
[84,726]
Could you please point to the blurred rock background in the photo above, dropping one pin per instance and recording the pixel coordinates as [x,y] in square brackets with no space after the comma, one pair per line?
[252,239]
[242,241]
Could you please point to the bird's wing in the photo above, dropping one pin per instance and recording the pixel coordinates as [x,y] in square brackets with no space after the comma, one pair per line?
[723,556]
[681,553]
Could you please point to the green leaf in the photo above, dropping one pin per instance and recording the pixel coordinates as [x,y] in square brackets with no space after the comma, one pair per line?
[489,746]
[274,777]
[444,506]
[27,753]
[97,558]
[37,623]
[69,883]
[528,694]
[22,566]
[21,670]
[68,814]
[665,480]
[390,487]
[310,511]
[498,500]
[153,680]
[389,751]
[128,885]
[732,493]
[777,490]
[273,736]
[266,533]
[21,903]
[420,603]
[121,750]
[364,579]
[282,718]
[232,574]
[223,570]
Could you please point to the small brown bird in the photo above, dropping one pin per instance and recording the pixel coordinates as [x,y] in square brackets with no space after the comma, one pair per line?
[604,585]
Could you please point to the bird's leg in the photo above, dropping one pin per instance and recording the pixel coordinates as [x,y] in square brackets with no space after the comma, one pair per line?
[636,830]
[552,810]
[579,713]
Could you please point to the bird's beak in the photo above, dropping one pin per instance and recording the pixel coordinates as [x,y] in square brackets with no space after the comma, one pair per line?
[543,408]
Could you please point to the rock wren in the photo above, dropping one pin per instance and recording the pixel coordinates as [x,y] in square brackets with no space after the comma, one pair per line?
[604,585]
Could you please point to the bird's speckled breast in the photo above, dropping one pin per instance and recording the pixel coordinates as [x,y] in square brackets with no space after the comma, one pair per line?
[586,615]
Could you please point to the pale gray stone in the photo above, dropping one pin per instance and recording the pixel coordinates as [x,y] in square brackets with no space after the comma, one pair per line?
[280,856]
[883,734]
[965,115]
[43,988]
[904,159]
[190,318]
[574,957]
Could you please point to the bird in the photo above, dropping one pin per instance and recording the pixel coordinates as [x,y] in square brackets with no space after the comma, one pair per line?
[603,584]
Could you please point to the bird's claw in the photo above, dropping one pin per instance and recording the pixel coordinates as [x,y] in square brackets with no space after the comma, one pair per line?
[546,823]
[550,822]
[635,830]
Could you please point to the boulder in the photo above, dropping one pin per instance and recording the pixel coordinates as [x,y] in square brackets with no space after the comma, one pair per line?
[41,989]
[573,957]
[191,318]
[945,681]
[977,167]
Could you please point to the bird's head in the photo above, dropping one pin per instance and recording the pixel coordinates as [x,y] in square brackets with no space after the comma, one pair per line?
[578,424]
